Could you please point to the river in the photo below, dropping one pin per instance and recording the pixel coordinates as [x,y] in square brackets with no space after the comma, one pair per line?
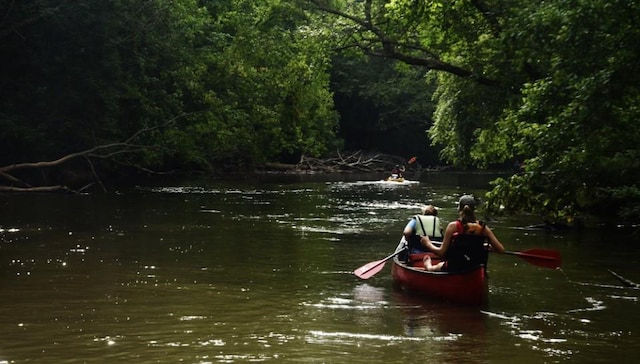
[210,271]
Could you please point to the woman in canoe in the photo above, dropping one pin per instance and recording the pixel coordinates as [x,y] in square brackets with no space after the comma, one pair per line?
[427,224]
[466,241]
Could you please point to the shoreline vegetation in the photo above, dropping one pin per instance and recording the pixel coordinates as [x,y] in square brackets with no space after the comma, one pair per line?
[69,174]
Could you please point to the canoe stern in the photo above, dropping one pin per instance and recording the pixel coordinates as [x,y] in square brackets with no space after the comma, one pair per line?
[468,287]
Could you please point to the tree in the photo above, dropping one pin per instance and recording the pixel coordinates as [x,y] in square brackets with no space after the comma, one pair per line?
[576,121]
[248,80]
[553,84]
[267,86]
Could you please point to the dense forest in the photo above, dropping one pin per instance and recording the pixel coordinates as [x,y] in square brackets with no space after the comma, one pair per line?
[93,89]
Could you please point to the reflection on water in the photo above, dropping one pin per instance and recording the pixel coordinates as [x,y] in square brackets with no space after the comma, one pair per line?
[453,333]
[239,272]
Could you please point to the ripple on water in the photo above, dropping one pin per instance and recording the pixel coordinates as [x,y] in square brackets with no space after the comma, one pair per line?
[343,337]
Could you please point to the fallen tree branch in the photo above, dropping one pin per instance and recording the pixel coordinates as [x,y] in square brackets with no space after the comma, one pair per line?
[104,151]
[35,189]
[357,161]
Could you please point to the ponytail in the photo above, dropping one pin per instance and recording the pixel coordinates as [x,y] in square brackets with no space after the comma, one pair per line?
[467,215]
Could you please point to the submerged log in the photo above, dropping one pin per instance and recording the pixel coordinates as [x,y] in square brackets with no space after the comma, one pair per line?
[625,281]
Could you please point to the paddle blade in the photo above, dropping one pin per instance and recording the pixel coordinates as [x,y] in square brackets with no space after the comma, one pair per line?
[541,257]
[412,160]
[370,269]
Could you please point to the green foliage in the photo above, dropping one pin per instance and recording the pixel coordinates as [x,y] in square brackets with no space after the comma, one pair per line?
[245,81]
[553,84]
[576,122]
[278,68]
[463,123]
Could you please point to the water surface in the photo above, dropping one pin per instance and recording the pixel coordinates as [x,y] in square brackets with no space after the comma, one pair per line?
[260,271]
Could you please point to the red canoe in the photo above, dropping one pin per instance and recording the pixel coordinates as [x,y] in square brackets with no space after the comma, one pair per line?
[469,288]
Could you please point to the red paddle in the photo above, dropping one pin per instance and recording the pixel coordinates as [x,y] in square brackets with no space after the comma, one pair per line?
[540,257]
[372,268]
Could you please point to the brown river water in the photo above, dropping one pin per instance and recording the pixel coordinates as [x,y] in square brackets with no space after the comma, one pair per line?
[261,271]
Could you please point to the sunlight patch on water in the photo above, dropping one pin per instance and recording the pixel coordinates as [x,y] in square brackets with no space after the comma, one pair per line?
[233,358]
[537,335]
[367,293]
[212,342]
[549,332]
[596,305]
[322,336]
[350,272]
[191,318]
[338,225]
[555,352]
[364,298]
[378,205]
[333,225]
[530,335]
[626,298]
[268,340]
[183,189]
[108,339]
[339,231]
[229,191]
[381,184]
[264,341]
[79,249]
[341,306]
[599,285]
[499,315]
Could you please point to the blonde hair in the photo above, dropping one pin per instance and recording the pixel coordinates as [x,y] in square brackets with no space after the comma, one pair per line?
[430,210]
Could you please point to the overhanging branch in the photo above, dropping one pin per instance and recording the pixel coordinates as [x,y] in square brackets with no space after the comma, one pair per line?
[392,49]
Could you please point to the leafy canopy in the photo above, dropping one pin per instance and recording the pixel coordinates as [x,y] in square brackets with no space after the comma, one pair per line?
[550,84]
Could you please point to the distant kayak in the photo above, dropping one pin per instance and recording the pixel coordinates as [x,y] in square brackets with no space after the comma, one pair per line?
[394,179]
[398,181]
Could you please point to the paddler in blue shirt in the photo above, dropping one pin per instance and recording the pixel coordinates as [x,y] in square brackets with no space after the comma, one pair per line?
[425,224]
